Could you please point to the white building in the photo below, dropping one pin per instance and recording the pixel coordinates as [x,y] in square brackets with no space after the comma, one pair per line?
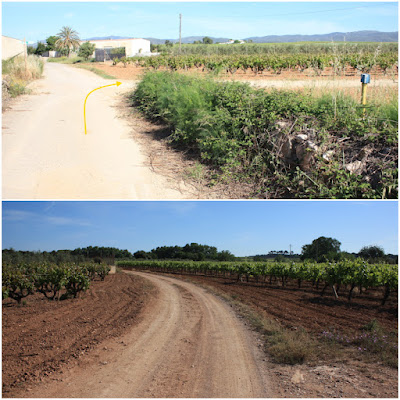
[11,47]
[133,47]
[233,42]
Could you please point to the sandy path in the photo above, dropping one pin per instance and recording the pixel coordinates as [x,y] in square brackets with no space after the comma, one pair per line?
[189,344]
[46,154]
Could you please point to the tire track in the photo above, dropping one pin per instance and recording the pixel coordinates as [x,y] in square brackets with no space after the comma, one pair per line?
[188,344]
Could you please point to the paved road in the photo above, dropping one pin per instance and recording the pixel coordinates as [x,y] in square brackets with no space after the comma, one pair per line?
[188,344]
[46,154]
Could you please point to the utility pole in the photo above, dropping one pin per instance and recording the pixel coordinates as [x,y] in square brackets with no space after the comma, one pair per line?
[290,249]
[180,32]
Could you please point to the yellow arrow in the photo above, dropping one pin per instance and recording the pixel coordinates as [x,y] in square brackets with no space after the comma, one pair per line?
[84,104]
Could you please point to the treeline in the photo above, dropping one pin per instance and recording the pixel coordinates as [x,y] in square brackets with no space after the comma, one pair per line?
[192,251]
[322,249]
[95,253]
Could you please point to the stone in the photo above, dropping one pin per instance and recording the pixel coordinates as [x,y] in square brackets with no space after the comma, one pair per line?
[355,167]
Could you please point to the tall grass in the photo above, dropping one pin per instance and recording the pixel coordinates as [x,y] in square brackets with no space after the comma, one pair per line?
[16,68]
[17,73]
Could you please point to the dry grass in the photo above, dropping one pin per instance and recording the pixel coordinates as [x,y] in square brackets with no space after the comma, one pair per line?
[17,69]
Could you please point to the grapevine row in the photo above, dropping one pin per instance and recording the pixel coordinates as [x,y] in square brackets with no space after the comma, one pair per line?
[22,280]
[363,62]
[344,274]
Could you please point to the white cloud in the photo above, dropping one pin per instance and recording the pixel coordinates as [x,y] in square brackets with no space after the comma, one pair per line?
[21,216]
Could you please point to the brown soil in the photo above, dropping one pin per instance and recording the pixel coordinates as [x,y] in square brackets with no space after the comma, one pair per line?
[305,307]
[349,373]
[42,337]
[151,335]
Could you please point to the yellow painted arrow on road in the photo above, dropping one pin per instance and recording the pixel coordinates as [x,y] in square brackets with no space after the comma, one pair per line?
[84,104]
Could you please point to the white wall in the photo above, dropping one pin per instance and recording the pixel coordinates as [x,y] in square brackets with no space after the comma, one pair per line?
[132,46]
[11,47]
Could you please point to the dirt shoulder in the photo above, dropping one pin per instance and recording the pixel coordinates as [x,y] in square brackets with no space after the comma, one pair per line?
[44,338]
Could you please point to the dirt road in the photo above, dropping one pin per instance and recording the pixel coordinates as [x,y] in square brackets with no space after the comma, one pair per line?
[47,155]
[189,344]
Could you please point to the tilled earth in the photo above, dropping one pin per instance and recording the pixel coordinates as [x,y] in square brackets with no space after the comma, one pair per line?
[51,347]
[350,374]
[41,337]
[304,307]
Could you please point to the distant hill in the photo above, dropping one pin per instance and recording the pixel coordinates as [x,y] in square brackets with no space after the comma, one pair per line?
[108,38]
[188,39]
[359,36]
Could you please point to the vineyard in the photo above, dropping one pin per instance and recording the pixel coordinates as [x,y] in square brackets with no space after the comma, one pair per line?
[277,63]
[342,277]
[22,280]
[309,48]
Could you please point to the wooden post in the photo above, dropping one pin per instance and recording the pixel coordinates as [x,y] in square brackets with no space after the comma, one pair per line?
[26,58]
[180,33]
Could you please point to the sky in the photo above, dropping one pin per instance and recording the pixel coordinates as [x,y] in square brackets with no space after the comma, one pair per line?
[242,227]
[233,20]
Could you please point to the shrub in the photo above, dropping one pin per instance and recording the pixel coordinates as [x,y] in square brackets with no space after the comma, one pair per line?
[86,50]
[235,128]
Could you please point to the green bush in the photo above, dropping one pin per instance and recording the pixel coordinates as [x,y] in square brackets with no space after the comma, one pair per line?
[233,126]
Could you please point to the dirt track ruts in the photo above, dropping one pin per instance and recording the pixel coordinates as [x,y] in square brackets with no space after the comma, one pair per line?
[189,344]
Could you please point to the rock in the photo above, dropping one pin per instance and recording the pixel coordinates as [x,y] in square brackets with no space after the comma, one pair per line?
[327,156]
[355,167]
[301,137]
[311,145]
[283,124]
[297,377]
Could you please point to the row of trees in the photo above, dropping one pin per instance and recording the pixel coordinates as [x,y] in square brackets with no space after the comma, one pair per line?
[328,249]
[320,250]
[192,251]
[66,41]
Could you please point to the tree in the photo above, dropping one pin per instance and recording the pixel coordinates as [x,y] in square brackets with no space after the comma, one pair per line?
[141,254]
[168,43]
[321,249]
[86,50]
[68,40]
[207,40]
[371,252]
[40,49]
[51,43]
[31,50]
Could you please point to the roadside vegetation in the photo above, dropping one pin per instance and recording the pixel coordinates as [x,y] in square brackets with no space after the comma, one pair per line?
[16,74]
[286,144]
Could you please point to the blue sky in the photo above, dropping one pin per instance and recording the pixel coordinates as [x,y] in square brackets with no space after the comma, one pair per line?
[236,20]
[243,227]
